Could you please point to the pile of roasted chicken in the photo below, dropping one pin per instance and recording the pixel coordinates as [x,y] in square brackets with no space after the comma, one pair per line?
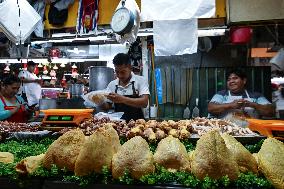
[153,130]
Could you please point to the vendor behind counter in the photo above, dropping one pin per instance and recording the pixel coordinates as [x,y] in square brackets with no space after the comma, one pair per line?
[12,107]
[236,100]
[129,93]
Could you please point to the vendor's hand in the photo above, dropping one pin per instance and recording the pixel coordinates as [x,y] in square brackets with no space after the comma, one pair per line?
[237,104]
[116,98]
[249,104]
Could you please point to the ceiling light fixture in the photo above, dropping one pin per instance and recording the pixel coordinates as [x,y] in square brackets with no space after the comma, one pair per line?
[55,67]
[7,68]
[74,66]
[39,65]
[45,71]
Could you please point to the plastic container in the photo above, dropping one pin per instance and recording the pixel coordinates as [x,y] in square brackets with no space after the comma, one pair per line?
[153,111]
[240,35]
[269,128]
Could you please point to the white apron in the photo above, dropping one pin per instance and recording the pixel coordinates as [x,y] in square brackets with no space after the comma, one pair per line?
[247,110]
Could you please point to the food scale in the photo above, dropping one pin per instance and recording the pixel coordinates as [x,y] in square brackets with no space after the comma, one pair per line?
[269,128]
[57,119]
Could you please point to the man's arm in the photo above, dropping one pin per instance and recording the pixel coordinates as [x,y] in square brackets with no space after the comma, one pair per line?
[217,109]
[217,106]
[140,102]
[263,109]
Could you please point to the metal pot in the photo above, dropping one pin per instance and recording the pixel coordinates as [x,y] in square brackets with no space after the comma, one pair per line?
[76,90]
[100,77]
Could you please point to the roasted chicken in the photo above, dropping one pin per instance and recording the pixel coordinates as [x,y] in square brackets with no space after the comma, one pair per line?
[134,156]
[271,161]
[97,151]
[212,158]
[64,151]
[172,155]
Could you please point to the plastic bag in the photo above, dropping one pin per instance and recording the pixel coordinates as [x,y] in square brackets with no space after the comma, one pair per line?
[89,101]
[9,20]
[113,116]
[176,37]
[175,10]
[238,120]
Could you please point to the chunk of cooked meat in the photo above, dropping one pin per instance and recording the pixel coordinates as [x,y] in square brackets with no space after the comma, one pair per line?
[173,124]
[150,135]
[184,134]
[212,158]
[64,151]
[29,164]
[6,157]
[134,156]
[97,151]
[160,134]
[152,124]
[141,121]
[135,131]
[174,133]
[164,125]
[244,158]
[172,155]
[97,98]
[271,161]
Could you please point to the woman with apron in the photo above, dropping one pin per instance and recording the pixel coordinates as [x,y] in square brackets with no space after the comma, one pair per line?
[12,107]
[129,92]
[236,100]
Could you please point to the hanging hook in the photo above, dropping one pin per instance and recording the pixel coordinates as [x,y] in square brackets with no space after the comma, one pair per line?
[123,3]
